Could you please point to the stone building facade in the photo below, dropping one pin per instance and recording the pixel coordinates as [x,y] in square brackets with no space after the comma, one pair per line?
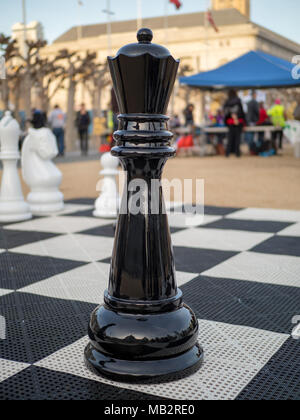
[188,37]
[34,32]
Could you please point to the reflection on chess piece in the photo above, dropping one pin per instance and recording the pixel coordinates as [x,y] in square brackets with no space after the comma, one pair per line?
[143,331]
[40,173]
[107,205]
[13,208]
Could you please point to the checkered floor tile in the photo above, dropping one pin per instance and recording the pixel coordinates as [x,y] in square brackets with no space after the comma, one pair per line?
[239,269]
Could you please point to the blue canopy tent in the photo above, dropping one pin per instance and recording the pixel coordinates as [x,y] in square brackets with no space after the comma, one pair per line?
[254,70]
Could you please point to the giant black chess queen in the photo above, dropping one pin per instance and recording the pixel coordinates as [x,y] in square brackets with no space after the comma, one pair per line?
[143,331]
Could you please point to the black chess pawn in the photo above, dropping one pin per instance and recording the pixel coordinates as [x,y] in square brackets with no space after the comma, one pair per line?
[143,331]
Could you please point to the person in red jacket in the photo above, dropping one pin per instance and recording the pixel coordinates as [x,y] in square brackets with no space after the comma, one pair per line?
[263,120]
[263,115]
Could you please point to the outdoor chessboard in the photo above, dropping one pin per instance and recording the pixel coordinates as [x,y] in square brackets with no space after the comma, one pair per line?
[239,271]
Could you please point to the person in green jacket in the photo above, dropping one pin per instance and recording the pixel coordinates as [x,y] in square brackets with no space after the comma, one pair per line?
[277,115]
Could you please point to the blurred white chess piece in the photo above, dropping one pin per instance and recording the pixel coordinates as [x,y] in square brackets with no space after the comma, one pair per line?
[107,205]
[40,173]
[13,208]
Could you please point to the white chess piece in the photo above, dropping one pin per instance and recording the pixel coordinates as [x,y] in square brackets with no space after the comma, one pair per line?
[40,173]
[107,205]
[13,208]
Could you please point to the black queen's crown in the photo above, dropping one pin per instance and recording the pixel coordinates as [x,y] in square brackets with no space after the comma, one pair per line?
[143,76]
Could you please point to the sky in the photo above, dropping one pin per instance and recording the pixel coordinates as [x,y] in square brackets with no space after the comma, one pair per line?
[57,16]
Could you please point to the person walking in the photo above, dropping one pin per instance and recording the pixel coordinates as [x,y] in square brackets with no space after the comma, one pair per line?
[189,115]
[57,121]
[218,120]
[252,119]
[82,123]
[277,115]
[235,120]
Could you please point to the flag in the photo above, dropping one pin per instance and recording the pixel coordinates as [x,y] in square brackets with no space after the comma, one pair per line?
[176,3]
[211,20]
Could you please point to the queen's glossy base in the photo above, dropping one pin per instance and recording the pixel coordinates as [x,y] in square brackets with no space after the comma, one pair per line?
[129,343]
[154,371]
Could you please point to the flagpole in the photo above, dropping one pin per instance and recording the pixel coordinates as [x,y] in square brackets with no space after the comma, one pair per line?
[166,21]
[24,27]
[206,56]
[109,13]
[139,22]
[108,27]
[79,27]
[206,26]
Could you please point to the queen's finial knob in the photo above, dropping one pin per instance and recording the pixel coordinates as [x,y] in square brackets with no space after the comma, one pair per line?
[145,36]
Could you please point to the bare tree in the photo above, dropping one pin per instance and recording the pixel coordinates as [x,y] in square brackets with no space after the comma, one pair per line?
[76,68]
[48,78]
[95,80]
[16,77]
[29,61]
[185,70]
[9,50]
